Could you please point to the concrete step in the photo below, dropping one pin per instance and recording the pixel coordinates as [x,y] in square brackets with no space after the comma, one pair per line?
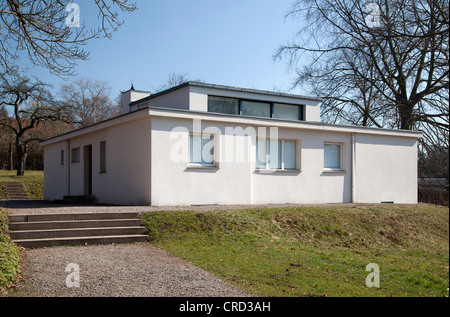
[73,217]
[75,241]
[15,190]
[76,232]
[48,230]
[46,225]
[13,184]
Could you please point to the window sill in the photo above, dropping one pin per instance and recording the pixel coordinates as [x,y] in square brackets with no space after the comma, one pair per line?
[334,171]
[270,171]
[203,167]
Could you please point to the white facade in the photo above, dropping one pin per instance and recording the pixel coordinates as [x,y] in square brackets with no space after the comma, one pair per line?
[149,160]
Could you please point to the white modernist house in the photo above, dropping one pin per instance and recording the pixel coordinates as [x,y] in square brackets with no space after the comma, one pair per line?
[200,144]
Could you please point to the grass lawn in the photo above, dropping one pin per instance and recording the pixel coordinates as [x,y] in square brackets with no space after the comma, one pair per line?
[33,182]
[314,251]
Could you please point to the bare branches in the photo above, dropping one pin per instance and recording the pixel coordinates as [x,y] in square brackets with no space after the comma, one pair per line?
[393,74]
[89,101]
[38,27]
[32,105]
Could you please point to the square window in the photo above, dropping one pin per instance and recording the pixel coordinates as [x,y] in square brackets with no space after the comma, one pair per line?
[201,149]
[332,156]
[273,154]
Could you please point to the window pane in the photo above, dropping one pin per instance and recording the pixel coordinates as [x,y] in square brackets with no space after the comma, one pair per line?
[208,149]
[289,155]
[332,156]
[257,109]
[275,154]
[261,151]
[75,155]
[223,105]
[201,149]
[289,112]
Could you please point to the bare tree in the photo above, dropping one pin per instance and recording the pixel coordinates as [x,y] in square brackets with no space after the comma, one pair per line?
[174,79]
[385,67]
[89,101]
[31,104]
[38,27]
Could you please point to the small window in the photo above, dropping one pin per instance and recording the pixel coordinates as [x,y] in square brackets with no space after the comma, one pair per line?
[75,155]
[274,154]
[332,156]
[201,149]
[223,105]
[103,157]
[62,158]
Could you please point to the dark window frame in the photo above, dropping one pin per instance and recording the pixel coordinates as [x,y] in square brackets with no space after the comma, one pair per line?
[301,112]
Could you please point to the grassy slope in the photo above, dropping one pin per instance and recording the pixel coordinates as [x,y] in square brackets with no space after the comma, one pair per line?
[33,182]
[9,256]
[314,251]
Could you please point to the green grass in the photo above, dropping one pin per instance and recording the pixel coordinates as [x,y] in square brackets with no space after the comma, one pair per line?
[9,256]
[314,251]
[33,182]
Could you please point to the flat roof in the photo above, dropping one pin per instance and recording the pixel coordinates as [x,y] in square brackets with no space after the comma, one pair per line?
[211,116]
[223,87]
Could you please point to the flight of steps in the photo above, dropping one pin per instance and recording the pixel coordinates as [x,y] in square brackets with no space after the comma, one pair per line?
[15,190]
[51,230]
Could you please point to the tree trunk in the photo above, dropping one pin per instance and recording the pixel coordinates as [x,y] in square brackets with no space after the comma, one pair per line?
[405,111]
[21,158]
[11,161]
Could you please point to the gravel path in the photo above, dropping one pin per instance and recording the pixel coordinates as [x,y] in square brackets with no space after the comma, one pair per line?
[133,270]
[42,207]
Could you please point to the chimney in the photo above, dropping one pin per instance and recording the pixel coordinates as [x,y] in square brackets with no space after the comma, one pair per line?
[130,96]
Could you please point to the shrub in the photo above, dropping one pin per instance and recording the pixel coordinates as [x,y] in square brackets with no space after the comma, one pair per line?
[9,255]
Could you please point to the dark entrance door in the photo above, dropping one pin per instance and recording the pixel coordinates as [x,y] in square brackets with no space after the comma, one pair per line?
[88,170]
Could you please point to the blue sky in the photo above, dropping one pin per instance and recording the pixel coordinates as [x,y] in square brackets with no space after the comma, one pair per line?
[228,42]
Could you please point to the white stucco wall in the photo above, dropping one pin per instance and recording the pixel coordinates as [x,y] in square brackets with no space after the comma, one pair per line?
[238,183]
[378,166]
[178,99]
[176,184]
[127,177]
[130,96]
[56,175]
[386,169]
[312,184]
